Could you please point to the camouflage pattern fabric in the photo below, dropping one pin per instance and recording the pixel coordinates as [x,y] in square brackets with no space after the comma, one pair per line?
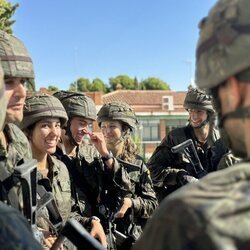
[131,179]
[164,165]
[119,111]
[84,171]
[40,106]
[77,104]
[223,43]
[198,99]
[211,214]
[3,103]
[15,59]
[18,151]
[58,183]
[15,233]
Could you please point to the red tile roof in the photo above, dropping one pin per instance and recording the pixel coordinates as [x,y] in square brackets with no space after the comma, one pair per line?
[147,100]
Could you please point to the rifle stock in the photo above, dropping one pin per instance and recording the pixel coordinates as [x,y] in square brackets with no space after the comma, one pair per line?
[187,147]
[78,235]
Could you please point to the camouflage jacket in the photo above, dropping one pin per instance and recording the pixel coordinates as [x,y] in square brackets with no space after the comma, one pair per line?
[213,213]
[130,179]
[58,183]
[85,173]
[18,151]
[15,231]
[164,165]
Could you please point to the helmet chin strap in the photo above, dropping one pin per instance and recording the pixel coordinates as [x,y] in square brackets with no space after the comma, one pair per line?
[204,123]
[240,113]
[69,134]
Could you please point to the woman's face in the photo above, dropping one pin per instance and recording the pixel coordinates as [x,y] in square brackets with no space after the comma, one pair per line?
[112,131]
[45,136]
[79,126]
[197,117]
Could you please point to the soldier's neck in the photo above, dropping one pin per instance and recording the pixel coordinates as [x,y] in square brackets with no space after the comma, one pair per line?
[201,134]
[67,147]
[116,148]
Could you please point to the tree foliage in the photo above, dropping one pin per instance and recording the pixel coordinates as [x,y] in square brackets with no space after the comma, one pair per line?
[53,88]
[118,82]
[153,83]
[7,10]
[98,85]
[122,81]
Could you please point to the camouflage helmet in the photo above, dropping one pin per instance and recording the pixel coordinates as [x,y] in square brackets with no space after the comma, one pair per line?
[15,58]
[119,111]
[3,102]
[41,106]
[198,99]
[223,45]
[77,104]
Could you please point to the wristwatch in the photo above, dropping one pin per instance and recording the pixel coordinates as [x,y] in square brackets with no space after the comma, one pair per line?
[107,157]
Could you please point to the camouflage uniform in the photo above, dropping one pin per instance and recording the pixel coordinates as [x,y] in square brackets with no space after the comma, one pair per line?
[2,100]
[15,232]
[129,178]
[214,212]
[165,166]
[15,62]
[58,183]
[84,167]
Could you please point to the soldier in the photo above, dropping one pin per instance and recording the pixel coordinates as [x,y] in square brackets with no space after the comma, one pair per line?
[14,146]
[81,158]
[169,170]
[214,213]
[43,117]
[15,231]
[128,189]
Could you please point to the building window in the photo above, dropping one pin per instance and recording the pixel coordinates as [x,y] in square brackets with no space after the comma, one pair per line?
[172,124]
[150,131]
[167,103]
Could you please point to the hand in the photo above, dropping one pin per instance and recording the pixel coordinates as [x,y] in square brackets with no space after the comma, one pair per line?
[184,178]
[97,138]
[127,203]
[49,239]
[98,232]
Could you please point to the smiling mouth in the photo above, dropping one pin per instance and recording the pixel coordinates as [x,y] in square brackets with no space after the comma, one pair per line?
[16,106]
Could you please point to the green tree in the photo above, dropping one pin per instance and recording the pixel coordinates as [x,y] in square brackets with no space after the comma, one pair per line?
[52,88]
[153,83]
[73,86]
[7,10]
[98,85]
[81,84]
[123,80]
[136,83]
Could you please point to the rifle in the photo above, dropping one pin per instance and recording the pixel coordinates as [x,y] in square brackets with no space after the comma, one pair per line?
[26,173]
[78,235]
[187,147]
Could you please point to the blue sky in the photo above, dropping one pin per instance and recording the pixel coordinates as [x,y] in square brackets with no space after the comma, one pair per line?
[106,38]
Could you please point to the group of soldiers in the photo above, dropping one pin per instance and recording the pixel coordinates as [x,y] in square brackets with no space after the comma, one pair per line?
[191,194]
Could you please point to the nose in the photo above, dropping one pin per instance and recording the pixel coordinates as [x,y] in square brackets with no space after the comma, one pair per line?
[20,90]
[194,115]
[56,131]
